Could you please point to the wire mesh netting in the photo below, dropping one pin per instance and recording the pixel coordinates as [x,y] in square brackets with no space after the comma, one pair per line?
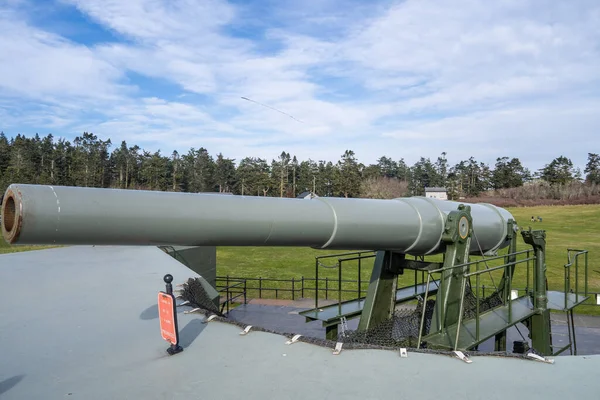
[194,292]
[400,331]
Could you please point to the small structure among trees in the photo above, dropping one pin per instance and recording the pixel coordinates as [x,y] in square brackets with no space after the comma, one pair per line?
[439,193]
[306,195]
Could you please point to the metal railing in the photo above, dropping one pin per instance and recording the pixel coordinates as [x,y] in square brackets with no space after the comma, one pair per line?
[341,258]
[232,293]
[295,287]
[508,273]
[573,259]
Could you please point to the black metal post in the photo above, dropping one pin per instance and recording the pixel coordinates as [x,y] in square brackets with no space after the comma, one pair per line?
[340,286]
[316,283]
[359,278]
[175,347]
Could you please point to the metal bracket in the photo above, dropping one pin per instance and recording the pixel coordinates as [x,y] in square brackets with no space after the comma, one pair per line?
[192,311]
[344,326]
[245,331]
[403,353]
[539,358]
[294,339]
[209,318]
[338,348]
[462,356]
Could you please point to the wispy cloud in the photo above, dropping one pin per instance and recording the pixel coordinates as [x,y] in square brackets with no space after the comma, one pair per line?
[398,78]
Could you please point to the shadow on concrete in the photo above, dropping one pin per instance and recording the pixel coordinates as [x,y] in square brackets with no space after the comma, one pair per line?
[150,312]
[10,383]
[190,332]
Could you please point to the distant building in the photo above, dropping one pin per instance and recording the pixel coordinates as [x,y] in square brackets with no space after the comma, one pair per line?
[439,193]
[306,195]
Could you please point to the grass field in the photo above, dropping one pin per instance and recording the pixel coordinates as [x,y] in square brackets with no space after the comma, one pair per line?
[5,248]
[566,227]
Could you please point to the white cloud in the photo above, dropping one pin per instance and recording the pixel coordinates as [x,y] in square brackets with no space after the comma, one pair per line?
[405,79]
[39,65]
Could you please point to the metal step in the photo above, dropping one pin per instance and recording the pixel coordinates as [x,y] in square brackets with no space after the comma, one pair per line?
[331,315]
[490,323]
[556,300]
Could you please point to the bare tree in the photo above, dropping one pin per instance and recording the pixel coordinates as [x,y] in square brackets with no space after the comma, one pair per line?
[383,188]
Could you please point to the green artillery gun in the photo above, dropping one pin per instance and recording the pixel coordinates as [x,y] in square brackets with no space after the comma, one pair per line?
[395,229]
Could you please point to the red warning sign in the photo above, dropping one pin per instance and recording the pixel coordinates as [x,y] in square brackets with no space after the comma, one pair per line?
[166,315]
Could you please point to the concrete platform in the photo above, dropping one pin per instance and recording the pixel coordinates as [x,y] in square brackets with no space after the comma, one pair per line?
[81,323]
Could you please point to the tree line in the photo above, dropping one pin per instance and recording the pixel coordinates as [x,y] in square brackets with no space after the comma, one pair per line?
[91,162]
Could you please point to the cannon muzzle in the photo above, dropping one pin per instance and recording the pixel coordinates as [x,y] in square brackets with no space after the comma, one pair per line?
[61,215]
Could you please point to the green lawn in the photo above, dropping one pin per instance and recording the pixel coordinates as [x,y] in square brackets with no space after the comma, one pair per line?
[566,227]
[6,248]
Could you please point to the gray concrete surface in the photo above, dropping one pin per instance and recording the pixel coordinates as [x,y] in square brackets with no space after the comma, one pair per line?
[81,323]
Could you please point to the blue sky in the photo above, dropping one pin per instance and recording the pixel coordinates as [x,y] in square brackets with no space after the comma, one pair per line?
[403,79]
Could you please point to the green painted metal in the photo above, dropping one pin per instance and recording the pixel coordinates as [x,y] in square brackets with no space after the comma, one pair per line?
[500,341]
[561,301]
[42,214]
[459,334]
[331,332]
[200,259]
[421,265]
[573,256]
[331,315]
[380,300]
[457,237]
[540,322]
[464,336]
[505,284]
[203,261]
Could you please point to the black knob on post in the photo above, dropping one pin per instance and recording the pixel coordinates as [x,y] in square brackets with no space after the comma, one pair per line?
[168,278]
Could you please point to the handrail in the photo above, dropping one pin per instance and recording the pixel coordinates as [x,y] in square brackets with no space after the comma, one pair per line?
[573,258]
[343,254]
[483,271]
[294,286]
[340,260]
[478,297]
[478,274]
[483,261]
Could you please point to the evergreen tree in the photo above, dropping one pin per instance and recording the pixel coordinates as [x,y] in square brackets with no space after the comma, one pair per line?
[592,169]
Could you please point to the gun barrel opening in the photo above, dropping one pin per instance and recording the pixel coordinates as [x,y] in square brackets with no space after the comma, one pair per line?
[10,227]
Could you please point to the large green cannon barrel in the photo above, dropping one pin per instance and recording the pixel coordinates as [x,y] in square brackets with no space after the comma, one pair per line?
[42,214]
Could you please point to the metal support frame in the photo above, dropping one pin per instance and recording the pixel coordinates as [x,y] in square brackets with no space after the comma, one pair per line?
[449,300]
[506,283]
[447,324]
[540,328]
[380,300]
[381,295]
[448,333]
